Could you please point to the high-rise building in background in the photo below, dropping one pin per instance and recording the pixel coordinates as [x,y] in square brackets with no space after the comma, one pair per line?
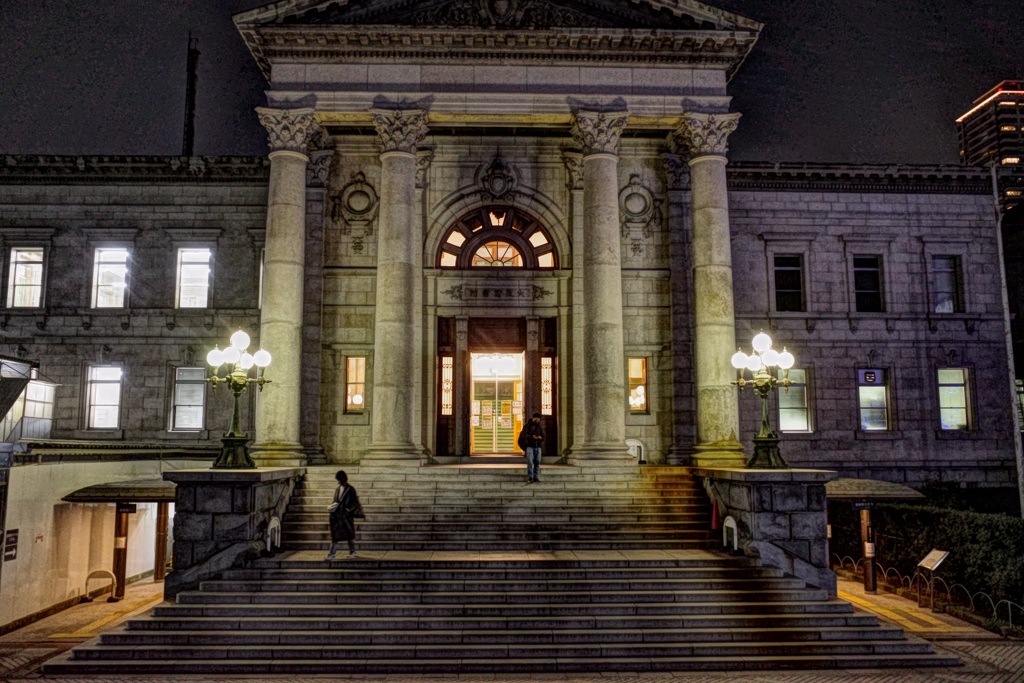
[992,132]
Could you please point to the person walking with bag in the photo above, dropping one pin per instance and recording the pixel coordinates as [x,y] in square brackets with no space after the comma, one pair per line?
[343,513]
[531,440]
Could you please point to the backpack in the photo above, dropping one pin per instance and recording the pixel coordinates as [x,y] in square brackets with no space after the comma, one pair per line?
[523,442]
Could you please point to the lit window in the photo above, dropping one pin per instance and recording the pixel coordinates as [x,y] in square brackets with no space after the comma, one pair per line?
[449,260]
[447,384]
[456,238]
[954,403]
[1008,129]
[193,278]
[104,397]
[538,239]
[638,385]
[873,400]
[259,290]
[794,408]
[1014,193]
[355,384]
[547,386]
[189,399]
[497,254]
[946,296]
[1007,161]
[546,261]
[497,218]
[867,284]
[110,278]
[25,285]
[1020,400]
[789,283]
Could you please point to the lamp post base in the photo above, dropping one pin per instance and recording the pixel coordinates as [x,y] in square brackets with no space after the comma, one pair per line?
[766,454]
[234,455]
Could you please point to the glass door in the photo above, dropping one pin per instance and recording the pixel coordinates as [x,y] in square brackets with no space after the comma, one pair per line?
[496,414]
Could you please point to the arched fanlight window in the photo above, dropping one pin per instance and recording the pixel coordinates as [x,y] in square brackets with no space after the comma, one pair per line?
[497,237]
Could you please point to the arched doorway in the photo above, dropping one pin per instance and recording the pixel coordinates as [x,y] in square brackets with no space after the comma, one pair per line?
[496,361]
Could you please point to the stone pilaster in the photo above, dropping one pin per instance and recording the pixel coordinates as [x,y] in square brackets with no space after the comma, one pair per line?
[399,274]
[604,433]
[278,431]
[704,139]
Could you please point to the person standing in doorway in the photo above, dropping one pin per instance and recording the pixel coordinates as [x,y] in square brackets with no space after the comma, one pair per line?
[534,440]
[343,513]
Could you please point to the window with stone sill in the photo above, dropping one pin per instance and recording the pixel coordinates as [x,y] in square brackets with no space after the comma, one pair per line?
[794,402]
[25,279]
[355,385]
[947,290]
[193,282]
[638,399]
[189,404]
[497,237]
[110,278]
[954,399]
[867,284]
[873,400]
[789,283]
[103,396]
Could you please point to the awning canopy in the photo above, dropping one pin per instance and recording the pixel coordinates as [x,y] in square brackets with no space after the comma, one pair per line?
[138,491]
[869,489]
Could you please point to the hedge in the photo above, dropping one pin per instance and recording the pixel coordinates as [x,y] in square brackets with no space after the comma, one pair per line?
[986,552]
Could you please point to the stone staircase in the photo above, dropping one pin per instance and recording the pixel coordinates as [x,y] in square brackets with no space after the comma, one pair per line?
[465,570]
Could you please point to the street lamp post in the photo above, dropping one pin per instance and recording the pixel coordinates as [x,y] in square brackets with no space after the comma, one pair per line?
[761,364]
[235,453]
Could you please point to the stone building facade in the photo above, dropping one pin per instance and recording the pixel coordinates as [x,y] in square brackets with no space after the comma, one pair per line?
[476,210]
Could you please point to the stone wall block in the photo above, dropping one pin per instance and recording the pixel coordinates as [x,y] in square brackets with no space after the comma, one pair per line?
[771,526]
[232,527]
[202,551]
[808,525]
[185,501]
[801,549]
[762,498]
[788,498]
[210,498]
[192,527]
[241,500]
[816,500]
[739,498]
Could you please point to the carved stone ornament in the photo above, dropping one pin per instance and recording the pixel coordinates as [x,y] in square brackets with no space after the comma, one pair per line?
[354,210]
[598,132]
[321,152]
[288,129]
[640,214]
[705,134]
[573,170]
[501,13]
[498,180]
[424,158]
[677,172]
[400,130]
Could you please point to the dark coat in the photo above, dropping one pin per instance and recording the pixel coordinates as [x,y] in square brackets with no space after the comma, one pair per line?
[343,521]
[534,434]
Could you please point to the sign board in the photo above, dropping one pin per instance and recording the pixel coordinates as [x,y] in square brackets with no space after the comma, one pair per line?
[130,508]
[863,505]
[874,376]
[933,559]
[11,545]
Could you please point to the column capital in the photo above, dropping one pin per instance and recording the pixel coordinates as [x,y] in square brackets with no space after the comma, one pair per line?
[321,152]
[288,129]
[704,134]
[400,130]
[598,132]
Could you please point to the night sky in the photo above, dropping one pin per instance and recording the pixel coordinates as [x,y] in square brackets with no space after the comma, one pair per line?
[830,80]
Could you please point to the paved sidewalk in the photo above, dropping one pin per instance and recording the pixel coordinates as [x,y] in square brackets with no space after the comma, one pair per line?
[987,658]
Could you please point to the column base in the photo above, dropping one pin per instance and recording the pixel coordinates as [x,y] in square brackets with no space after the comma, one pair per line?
[726,454]
[278,455]
[602,456]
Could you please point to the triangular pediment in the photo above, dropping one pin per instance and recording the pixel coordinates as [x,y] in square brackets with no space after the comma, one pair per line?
[673,15]
[664,32]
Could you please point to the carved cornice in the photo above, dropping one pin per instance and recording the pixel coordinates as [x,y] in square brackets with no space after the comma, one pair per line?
[400,130]
[598,132]
[428,45]
[288,129]
[39,169]
[704,134]
[320,151]
[677,171]
[861,178]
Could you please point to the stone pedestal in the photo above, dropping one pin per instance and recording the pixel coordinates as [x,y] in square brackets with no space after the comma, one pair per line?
[399,274]
[704,139]
[278,432]
[604,432]
[221,518]
[780,517]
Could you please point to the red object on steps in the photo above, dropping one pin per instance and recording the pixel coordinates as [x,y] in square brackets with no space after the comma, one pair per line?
[714,516]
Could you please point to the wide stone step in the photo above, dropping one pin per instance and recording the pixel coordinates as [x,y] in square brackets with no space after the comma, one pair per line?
[714,617]
[566,544]
[416,637]
[620,576]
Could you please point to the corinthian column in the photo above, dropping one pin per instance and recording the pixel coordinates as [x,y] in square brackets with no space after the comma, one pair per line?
[604,431]
[399,267]
[278,432]
[703,137]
